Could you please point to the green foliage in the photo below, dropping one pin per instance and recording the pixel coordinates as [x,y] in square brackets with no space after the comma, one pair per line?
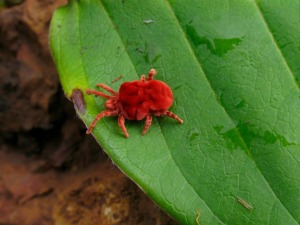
[234,70]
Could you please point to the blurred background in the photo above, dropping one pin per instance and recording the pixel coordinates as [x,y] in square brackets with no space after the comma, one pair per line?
[50,171]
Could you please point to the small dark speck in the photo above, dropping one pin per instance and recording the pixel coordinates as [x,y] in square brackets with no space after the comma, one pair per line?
[140,50]
[78,100]
[177,87]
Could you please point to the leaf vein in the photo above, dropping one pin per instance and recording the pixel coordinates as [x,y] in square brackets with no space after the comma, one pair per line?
[276,44]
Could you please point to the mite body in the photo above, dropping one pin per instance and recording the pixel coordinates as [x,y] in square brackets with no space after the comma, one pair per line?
[136,100]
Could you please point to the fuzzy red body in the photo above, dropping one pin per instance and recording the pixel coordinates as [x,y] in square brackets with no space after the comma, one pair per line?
[137,100]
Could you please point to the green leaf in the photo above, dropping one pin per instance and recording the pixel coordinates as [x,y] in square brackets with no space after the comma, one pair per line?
[234,70]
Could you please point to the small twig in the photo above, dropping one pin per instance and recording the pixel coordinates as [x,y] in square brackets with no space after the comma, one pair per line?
[198,216]
[244,203]
[117,78]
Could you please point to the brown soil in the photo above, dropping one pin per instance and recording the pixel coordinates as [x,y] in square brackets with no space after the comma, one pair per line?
[50,171]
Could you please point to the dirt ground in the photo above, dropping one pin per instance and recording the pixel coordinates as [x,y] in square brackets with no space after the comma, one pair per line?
[50,171]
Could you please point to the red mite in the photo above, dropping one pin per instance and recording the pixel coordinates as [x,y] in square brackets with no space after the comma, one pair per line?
[136,100]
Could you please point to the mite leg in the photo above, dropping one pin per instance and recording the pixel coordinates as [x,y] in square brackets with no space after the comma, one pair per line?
[121,122]
[99,116]
[147,124]
[105,87]
[98,93]
[172,115]
[143,78]
[151,73]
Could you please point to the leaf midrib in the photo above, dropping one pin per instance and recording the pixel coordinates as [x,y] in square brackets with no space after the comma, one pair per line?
[125,47]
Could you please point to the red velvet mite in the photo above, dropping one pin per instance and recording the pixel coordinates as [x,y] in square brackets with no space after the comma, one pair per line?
[136,100]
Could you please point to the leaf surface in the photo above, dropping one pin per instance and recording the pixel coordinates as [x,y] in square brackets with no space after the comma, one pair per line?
[233,68]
